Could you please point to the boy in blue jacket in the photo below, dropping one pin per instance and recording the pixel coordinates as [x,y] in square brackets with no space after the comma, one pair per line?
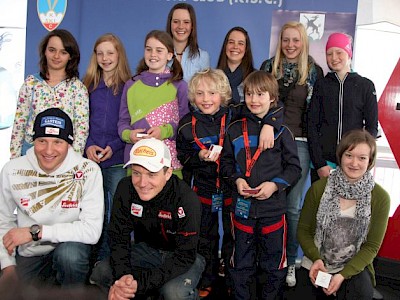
[259,180]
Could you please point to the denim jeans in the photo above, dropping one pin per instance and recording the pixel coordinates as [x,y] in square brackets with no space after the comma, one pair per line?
[180,287]
[295,202]
[67,265]
[143,256]
[111,178]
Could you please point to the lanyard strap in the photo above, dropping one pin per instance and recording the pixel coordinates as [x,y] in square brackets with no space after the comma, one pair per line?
[220,142]
[250,161]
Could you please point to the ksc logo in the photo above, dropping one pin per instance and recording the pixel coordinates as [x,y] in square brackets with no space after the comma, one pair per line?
[51,12]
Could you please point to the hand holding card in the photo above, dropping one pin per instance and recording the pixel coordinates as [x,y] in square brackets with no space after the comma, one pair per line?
[215,149]
[141,135]
[323,279]
[251,191]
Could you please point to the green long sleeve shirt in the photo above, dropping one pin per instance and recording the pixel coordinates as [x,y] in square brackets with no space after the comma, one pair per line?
[380,205]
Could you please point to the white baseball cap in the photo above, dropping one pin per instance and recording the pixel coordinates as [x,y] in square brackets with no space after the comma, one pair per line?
[151,154]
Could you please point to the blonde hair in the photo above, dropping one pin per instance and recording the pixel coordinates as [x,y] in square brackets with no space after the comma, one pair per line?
[262,82]
[302,64]
[217,81]
[94,72]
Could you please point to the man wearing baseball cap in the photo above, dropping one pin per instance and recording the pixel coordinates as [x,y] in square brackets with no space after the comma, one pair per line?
[164,215]
[58,197]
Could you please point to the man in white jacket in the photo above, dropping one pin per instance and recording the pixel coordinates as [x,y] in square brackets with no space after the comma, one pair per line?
[58,196]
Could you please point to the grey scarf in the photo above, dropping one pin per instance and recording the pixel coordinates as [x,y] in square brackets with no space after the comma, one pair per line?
[329,210]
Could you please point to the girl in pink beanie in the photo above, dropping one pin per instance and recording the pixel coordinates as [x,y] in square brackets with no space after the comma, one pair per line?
[343,100]
[339,53]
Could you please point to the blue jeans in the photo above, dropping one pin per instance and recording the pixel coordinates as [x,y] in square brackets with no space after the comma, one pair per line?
[67,265]
[146,257]
[111,178]
[295,202]
[180,287]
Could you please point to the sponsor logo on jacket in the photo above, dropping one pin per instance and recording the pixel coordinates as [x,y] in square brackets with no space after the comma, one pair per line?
[162,214]
[69,204]
[136,210]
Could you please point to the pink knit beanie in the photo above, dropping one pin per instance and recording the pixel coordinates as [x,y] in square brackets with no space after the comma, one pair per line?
[340,40]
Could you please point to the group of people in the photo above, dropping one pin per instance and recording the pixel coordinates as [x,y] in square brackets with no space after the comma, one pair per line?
[179,147]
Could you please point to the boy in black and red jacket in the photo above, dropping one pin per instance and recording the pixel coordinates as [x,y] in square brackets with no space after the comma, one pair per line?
[259,180]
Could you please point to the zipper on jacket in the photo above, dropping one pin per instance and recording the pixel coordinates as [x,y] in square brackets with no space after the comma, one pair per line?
[340,102]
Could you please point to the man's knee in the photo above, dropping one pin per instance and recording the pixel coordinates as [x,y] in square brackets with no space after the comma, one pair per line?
[72,256]
[183,289]
[184,286]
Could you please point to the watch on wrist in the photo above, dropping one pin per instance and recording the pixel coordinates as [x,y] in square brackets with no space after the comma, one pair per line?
[34,230]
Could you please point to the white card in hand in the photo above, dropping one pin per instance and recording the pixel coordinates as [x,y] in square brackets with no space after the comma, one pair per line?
[323,279]
[215,149]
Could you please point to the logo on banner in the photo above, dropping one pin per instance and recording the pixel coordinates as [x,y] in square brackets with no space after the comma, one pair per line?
[314,24]
[51,12]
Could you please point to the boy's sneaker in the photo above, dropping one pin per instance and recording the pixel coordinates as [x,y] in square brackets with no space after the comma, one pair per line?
[291,276]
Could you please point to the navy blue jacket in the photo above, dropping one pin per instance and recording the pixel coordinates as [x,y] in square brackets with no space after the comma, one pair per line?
[279,165]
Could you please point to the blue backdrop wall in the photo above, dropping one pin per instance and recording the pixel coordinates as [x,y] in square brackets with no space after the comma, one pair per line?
[131,20]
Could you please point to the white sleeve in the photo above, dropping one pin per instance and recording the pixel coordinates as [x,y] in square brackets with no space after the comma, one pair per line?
[8,219]
[87,229]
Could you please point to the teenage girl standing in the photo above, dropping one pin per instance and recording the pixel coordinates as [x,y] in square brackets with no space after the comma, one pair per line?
[105,77]
[155,99]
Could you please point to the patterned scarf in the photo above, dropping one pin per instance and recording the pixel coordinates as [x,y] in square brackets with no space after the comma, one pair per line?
[329,207]
[290,76]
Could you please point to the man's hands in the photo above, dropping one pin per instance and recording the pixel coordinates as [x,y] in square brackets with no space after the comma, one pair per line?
[123,289]
[15,237]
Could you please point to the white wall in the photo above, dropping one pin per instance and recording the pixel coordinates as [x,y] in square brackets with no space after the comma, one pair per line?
[12,58]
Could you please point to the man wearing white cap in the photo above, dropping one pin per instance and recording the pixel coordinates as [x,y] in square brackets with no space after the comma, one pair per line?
[164,215]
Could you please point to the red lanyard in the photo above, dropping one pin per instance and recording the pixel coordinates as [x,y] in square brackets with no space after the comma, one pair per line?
[220,142]
[250,161]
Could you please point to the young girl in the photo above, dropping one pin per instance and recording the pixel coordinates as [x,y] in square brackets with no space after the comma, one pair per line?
[296,73]
[57,85]
[155,99]
[105,77]
[236,60]
[343,100]
[209,94]
[182,27]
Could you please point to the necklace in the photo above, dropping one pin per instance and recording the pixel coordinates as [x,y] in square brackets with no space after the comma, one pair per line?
[180,54]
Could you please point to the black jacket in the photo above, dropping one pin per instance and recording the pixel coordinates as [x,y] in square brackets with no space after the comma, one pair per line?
[208,130]
[336,108]
[279,165]
[159,224]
